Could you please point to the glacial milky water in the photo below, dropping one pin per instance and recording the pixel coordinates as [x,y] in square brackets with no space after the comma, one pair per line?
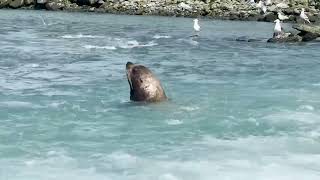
[237,110]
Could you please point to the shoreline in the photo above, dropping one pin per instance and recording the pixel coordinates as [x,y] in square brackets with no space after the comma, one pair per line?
[239,10]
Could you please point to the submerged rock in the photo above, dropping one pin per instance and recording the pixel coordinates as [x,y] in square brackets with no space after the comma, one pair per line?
[247,39]
[286,39]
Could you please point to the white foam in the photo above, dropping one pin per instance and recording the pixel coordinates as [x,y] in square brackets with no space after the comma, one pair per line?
[174,122]
[253,120]
[189,41]
[18,104]
[122,160]
[51,153]
[189,108]
[157,36]
[247,158]
[135,44]
[30,162]
[286,116]
[306,107]
[168,176]
[79,36]
[33,65]
[100,47]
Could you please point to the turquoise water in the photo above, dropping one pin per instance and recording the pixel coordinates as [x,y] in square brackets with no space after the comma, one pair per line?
[237,110]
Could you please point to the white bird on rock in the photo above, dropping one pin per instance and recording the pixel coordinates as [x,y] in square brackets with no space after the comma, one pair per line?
[277,31]
[282,17]
[304,17]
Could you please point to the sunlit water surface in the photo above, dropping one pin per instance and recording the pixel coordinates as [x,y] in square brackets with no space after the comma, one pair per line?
[237,110]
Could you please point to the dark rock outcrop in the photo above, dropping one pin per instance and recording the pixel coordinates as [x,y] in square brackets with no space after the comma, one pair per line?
[286,39]
[304,28]
[307,32]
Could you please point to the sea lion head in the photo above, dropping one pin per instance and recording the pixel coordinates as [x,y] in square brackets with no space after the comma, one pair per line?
[144,85]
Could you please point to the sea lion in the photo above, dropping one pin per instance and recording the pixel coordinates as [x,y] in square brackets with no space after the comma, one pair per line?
[144,86]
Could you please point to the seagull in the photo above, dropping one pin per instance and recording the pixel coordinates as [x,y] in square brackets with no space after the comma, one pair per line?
[304,17]
[277,31]
[196,26]
[282,16]
[262,7]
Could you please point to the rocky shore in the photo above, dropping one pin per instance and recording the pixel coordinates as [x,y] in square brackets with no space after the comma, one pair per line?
[220,9]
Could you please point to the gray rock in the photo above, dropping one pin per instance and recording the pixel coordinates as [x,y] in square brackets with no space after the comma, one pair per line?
[270,17]
[303,28]
[272,8]
[184,6]
[16,3]
[86,2]
[54,6]
[282,5]
[247,39]
[285,39]
[42,1]
[309,37]
[4,3]
[28,2]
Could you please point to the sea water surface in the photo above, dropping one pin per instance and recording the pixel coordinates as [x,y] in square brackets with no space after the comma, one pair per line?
[237,110]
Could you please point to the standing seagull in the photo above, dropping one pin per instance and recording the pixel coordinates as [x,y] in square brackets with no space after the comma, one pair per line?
[277,31]
[304,17]
[196,26]
[262,6]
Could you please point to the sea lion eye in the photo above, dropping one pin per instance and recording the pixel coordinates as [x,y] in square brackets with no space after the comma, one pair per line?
[141,80]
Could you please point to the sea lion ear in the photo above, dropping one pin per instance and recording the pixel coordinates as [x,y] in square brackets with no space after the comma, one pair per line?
[129,65]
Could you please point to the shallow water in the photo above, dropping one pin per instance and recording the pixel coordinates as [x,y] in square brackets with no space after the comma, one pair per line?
[237,110]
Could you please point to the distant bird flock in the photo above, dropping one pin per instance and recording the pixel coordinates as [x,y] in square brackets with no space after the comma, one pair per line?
[262,5]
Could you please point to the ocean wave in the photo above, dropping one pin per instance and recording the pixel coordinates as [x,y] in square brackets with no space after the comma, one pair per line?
[174,122]
[19,104]
[79,36]
[306,107]
[168,176]
[258,158]
[99,47]
[189,108]
[157,36]
[302,118]
[134,44]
